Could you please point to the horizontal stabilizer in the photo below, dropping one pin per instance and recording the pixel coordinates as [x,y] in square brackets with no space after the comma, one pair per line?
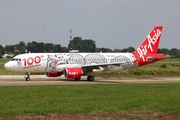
[155,57]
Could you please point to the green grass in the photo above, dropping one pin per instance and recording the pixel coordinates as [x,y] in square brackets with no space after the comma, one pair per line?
[82,99]
[171,60]
[2,61]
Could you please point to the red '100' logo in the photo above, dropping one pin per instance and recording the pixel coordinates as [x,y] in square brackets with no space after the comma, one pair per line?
[31,60]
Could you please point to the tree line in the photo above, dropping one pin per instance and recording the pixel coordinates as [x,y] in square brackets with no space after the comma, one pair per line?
[83,45]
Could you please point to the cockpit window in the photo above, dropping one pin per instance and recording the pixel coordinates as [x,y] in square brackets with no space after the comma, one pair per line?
[16,59]
[13,59]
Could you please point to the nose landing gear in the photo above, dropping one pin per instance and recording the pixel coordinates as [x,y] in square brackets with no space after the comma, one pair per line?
[28,76]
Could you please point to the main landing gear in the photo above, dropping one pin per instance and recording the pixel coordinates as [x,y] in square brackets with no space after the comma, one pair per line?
[28,76]
[90,78]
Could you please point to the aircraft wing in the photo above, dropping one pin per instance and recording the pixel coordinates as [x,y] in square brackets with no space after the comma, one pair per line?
[101,65]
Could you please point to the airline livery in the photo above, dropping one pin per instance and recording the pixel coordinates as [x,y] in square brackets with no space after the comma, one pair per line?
[75,65]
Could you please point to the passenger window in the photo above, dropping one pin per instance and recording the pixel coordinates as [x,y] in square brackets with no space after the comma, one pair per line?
[13,59]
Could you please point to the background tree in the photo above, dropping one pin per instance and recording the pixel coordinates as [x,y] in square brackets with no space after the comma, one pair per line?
[117,50]
[89,45]
[35,47]
[9,49]
[129,49]
[103,50]
[40,47]
[2,51]
[77,43]
[177,54]
[164,51]
[64,49]
[49,47]
[57,48]
[21,47]
[32,47]
[174,52]
[86,45]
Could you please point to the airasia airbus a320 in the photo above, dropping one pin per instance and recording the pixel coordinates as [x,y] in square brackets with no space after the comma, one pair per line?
[75,65]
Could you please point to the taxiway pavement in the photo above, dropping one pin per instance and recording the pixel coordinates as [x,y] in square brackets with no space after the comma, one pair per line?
[19,80]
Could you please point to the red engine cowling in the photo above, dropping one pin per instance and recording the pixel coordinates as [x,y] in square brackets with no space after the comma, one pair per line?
[73,72]
[54,74]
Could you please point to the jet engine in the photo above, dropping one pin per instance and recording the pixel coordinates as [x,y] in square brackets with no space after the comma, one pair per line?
[53,74]
[73,72]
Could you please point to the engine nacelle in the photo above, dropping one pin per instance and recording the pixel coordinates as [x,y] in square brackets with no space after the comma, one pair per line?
[73,72]
[53,74]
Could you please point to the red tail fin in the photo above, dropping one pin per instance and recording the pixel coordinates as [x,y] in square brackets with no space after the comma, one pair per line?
[151,42]
[149,45]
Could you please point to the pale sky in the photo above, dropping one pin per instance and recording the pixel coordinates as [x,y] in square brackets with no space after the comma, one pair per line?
[110,23]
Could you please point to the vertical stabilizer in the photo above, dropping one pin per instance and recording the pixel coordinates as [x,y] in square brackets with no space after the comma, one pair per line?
[150,45]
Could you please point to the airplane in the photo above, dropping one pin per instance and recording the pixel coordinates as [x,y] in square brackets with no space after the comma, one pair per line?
[75,65]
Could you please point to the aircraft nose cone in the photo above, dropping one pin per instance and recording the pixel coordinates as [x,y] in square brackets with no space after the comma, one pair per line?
[7,66]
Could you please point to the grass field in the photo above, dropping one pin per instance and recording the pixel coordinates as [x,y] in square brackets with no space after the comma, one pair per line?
[82,99]
[143,99]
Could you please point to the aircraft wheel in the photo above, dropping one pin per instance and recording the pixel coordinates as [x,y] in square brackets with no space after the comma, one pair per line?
[27,79]
[90,78]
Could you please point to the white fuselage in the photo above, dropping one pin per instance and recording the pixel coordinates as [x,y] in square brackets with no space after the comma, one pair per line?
[48,62]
